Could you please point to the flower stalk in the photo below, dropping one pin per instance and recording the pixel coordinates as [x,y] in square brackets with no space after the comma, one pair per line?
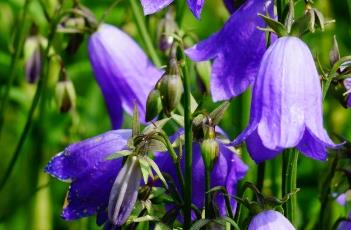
[188,142]
[290,157]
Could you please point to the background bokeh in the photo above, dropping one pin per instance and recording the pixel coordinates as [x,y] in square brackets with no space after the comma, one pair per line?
[33,200]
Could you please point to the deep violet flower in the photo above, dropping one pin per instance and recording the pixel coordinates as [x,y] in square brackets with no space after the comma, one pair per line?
[286,108]
[345,225]
[228,170]
[94,179]
[270,220]
[123,72]
[152,6]
[237,50]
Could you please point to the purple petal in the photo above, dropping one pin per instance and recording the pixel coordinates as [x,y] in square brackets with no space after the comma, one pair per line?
[237,49]
[280,84]
[312,147]
[152,6]
[341,199]
[89,192]
[229,4]
[258,151]
[345,225]
[270,220]
[196,7]
[124,192]
[80,157]
[122,71]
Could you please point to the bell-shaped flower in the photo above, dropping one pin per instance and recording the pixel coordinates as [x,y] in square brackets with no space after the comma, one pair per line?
[237,50]
[270,220]
[85,166]
[124,192]
[123,71]
[345,225]
[152,6]
[227,171]
[286,107]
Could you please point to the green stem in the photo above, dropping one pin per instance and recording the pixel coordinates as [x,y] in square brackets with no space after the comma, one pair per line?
[140,22]
[207,194]
[290,157]
[260,175]
[14,63]
[276,176]
[188,143]
[27,126]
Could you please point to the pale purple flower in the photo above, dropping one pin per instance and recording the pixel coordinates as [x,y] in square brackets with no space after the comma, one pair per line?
[270,220]
[123,72]
[152,6]
[237,50]
[286,107]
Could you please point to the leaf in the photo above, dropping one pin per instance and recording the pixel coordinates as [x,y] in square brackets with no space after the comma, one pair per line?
[135,124]
[146,218]
[193,103]
[161,226]
[278,27]
[119,154]
[145,169]
[178,119]
[155,126]
[217,114]
[199,224]
[157,170]
[223,220]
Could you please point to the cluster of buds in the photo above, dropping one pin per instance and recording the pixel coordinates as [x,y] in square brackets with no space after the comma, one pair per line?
[168,90]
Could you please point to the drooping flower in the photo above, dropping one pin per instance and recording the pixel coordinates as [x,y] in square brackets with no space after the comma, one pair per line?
[122,70]
[345,225]
[92,176]
[152,6]
[227,172]
[270,220]
[237,50]
[286,108]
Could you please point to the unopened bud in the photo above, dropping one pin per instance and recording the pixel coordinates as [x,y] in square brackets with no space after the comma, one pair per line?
[209,151]
[153,105]
[65,95]
[34,59]
[166,28]
[124,192]
[171,88]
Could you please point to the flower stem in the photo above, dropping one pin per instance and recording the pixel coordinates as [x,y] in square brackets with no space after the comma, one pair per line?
[207,194]
[188,142]
[14,64]
[140,22]
[289,176]
[260,176]
[35,102]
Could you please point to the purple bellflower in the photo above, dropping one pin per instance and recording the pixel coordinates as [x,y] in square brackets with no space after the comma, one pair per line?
[152,6]
[85,166]
[123,72]
[286,107]
[270,220]
[228,170]
[97,182]
[237,50]
[345,225]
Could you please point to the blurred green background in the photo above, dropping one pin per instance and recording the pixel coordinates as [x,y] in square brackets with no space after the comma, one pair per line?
[33,200]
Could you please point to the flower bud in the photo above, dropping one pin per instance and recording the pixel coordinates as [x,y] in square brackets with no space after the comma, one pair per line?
[209,151]
[124,191]
[171,87]
[166,27]
[153,105]
[270,220]
[34,58]
[65,95]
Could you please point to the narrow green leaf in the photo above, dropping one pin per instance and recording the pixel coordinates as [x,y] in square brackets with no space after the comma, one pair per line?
[222,221]
[278,27]
[178,119]
[217,114]
[119,154]
[199,224]
[146,218]
[157,170]
[161,226]
[145,169]
[136,124]
[155,126]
